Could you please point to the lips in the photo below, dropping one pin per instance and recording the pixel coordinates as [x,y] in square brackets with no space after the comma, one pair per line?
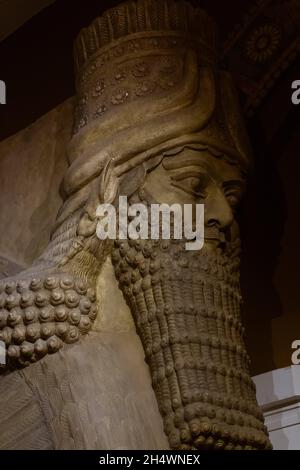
[215,235]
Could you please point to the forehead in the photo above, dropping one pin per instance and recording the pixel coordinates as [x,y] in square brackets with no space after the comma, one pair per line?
[216,167]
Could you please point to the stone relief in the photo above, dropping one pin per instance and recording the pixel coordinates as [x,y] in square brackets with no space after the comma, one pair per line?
[8,267]
[156,120]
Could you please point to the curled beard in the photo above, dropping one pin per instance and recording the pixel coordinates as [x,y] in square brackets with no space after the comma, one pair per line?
[186,308]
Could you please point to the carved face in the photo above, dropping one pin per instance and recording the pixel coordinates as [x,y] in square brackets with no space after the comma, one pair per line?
[186,307]
[197,177]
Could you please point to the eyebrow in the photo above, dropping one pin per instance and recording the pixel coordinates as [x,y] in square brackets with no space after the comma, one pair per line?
[190,172]
[235,182]
[176,162]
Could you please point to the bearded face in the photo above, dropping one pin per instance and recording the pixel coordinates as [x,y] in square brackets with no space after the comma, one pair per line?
[186,307]
[197,177]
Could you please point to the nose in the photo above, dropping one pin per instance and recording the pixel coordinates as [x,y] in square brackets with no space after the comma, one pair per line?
[217,211]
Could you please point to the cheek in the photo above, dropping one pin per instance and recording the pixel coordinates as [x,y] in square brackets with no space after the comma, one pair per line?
[178,196]
[156,185]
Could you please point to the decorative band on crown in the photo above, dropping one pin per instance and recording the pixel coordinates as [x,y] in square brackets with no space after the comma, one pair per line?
[144,16]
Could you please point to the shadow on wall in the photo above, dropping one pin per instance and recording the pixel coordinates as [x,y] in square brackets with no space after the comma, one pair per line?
[267,222]
[264,215]
[32,165]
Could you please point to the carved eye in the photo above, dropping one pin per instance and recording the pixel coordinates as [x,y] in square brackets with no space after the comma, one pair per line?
[233,196]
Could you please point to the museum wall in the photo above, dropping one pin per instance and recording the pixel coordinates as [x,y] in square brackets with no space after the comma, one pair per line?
[32,164]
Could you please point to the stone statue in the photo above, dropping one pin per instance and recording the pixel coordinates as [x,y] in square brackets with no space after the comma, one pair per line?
[158,121]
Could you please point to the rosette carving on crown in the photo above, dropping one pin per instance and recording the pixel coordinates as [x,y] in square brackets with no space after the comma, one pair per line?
[135,79]
[135,50]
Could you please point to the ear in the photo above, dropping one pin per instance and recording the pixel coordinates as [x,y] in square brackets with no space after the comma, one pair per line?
[103,190]
[132,180]
[108,183]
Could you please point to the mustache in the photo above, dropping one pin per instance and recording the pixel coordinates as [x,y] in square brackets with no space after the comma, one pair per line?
[213,233]
[186,308]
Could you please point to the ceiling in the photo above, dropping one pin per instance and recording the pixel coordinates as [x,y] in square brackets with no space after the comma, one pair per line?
[14,13]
